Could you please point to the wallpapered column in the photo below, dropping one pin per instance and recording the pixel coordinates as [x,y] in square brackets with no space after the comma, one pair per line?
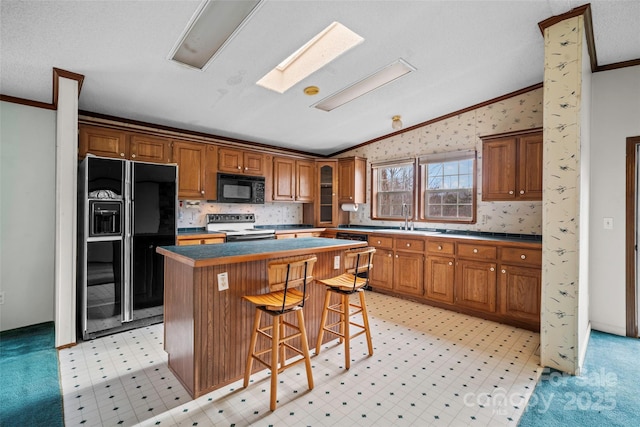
[560,321]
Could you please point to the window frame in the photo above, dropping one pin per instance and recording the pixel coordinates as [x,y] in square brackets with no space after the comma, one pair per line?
[374,188]
[422,187]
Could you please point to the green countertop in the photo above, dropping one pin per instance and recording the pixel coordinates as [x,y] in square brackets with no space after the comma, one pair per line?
[235,252]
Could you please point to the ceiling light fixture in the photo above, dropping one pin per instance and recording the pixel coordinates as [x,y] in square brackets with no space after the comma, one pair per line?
[378,79]
[396,123]
[311,90]
[323,48]
[213,25]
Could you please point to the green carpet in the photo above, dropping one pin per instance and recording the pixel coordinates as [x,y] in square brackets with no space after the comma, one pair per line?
[606,394]
[30,392]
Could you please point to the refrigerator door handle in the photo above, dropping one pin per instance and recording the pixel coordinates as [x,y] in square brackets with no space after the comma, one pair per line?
[127,285]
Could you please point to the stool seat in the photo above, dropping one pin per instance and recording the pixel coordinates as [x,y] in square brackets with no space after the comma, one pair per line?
[358,263]
[286,276]
[273,301]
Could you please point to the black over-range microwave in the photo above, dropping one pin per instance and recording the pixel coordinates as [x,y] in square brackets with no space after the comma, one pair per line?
[240,189]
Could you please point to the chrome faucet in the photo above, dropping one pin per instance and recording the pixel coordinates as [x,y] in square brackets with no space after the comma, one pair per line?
[405,213]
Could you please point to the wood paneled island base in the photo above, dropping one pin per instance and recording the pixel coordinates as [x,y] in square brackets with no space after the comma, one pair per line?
[207,331]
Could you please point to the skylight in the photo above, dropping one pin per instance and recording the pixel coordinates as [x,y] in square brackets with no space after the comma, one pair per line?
[326,46]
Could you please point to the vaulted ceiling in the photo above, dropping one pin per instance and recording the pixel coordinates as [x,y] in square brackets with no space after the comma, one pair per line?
[464,52]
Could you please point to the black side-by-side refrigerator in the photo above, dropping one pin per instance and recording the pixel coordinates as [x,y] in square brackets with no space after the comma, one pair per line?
[125,210]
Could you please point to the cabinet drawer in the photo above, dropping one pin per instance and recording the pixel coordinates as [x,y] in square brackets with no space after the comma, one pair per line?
[440,247]
[410,244]
[381,242]
[522,256]
[477,251]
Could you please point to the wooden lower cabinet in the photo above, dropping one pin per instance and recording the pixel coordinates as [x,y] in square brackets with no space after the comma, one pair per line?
[382,271]
[408,273]
[439,280]
[476,285]
[519,291]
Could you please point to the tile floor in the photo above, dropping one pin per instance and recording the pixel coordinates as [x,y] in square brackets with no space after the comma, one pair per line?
[430,367]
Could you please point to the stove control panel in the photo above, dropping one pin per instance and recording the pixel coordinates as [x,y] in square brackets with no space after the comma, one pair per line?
[221,218]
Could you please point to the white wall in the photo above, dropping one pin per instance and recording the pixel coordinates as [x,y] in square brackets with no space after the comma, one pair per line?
[615,116]
[27,214]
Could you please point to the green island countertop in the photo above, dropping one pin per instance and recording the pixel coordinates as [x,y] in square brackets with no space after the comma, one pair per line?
[236,252]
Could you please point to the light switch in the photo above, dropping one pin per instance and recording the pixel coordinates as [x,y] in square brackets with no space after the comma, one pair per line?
[608,223]
[336,262]
[223,281]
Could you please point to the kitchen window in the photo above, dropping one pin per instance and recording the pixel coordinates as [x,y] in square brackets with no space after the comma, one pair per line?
[448,187]
[393,187]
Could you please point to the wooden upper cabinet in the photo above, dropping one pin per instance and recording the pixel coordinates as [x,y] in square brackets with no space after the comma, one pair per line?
[512,166]
[352,180]
[103,142]
[284,179]
[145,148]
[530,167]
[106,142]
[305,178]
[240,162]
[191,160]
[293,180]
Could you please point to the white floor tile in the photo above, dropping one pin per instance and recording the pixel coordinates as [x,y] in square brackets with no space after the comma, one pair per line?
[430,367]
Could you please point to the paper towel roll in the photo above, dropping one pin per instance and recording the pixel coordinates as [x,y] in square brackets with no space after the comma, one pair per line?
[350,207]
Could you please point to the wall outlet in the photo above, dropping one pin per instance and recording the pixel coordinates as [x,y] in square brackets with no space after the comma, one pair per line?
[1,297]
[223,281]
[336,262]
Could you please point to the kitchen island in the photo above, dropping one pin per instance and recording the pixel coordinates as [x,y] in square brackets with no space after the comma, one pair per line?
[207,328]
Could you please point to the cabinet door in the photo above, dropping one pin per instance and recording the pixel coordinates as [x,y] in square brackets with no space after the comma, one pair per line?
[211,173]
[530,167]
[498,169]
[102,142]
[520,289]
[351,180]
[190,158]
[476,285]
[145,148]
[304,180]
[253,163]
[439,281]
[408,273]
[284,186]
[326,202]
[230,160]
[382,271]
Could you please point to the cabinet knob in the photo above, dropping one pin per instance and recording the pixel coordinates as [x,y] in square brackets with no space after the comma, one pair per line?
[246,168]
[523,256]
[239,167]
[475,251]
[202,192]
[504,271]
[521,191]
[408,245]
[390,255]
[450,262]
[133,156]
[510,191]
[439,247]
[378,241]
[492,269]
[121,154]
[396,256]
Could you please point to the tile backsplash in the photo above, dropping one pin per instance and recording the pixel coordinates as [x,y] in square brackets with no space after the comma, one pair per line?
[193,213]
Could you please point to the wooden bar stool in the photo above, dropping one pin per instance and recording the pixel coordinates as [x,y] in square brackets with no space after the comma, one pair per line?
[358,263]
[286,276]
